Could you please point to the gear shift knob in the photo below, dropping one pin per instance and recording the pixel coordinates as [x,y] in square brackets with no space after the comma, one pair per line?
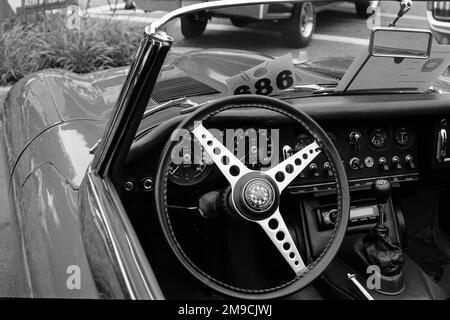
[382,191]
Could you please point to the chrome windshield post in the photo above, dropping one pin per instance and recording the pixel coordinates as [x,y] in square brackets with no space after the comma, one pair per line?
[132,102]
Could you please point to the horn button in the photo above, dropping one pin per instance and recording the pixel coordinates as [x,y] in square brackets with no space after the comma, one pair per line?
[256,196]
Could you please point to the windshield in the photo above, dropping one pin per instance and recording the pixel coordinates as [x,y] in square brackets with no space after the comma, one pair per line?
[222,49]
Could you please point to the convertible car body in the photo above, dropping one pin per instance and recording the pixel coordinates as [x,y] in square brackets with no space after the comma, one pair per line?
[90,187]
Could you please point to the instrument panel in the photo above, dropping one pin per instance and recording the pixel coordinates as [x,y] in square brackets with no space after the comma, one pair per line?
[368,151]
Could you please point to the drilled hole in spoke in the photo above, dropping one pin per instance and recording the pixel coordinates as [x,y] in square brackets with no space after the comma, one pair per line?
[280,235]
[291,255]
[286,246]
[225,160]
[273,224]
[279,176]
[311,151]
[296,263]
[204,136]
[305,156]
[234,171]
[216,151]
[289,168]
[209,143]
[298,162]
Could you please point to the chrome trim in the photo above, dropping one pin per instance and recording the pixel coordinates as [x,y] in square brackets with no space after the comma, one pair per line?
[441,152]
[359,286]
[353,183]
[392,29]
[156,25]
[131,104]
[111,242]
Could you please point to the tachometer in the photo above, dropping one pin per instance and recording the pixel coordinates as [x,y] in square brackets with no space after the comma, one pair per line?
[193,169]
[188,174]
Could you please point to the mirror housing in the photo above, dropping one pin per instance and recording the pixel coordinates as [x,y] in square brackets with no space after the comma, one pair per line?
[400,43]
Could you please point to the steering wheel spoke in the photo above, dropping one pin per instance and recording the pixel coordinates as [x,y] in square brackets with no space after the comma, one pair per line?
[276,229]
[231,167]
[285,172]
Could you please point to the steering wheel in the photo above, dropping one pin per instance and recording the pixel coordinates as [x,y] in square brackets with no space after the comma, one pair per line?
[255,195]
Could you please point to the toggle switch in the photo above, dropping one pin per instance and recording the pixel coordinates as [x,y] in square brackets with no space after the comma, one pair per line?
[383,164]
[396,162]
[410,161]
[313,169]
[327,168]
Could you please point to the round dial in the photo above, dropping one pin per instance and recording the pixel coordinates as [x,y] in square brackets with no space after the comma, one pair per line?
[302,141]
[404,137]
[378,138]
[193,168]
[188,174]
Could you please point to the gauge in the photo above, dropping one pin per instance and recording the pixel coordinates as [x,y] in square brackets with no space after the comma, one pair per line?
[378,138]
[403,136]
[302,141]
[194,166]
[188,174]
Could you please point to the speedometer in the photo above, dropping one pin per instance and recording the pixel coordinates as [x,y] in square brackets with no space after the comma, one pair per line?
[191,168]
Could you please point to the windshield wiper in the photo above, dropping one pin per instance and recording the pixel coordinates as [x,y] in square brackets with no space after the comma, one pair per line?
[190,106]
[307,90]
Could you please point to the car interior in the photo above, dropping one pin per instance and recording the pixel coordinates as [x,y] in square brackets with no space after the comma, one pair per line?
[394,150]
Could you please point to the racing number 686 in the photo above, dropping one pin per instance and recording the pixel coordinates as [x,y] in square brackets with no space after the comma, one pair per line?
[264,86]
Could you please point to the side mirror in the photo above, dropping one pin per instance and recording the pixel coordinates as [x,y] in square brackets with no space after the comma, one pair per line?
[400,43]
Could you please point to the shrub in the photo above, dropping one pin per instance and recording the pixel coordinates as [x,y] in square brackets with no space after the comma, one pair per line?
[43,41]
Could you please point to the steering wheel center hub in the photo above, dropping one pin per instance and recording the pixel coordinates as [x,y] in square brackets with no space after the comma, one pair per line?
[258,195]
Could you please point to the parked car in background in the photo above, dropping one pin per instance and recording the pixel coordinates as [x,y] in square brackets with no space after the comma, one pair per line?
[438,17]
[297,21]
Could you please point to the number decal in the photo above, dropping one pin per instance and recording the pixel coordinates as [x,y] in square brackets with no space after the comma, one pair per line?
[263,87]
[285,80]
[268,78]
[242,90]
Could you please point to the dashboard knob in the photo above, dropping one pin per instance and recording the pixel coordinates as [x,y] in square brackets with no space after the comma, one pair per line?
[355,163]
[313,169]
[327,168]
[355,136]
[333,216]
[383,164]
[410,161]
[396,162]
[128,186]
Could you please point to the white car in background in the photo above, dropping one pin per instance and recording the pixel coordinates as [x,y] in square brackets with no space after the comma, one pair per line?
[438,16]
[297,21]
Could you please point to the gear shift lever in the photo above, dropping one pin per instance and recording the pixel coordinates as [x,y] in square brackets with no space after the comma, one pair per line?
[382,191]
[378,246]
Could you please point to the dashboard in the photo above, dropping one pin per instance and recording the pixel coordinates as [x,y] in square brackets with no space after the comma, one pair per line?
[382,137]
[368,151]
